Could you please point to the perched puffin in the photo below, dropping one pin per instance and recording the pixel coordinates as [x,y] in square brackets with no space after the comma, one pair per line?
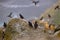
[35,25]
[41,18]
[57,7]
[49,16]
[5,25]
[21,16]
[30,24]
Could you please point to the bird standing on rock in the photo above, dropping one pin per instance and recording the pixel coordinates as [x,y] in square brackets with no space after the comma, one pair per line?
[57,28]
[30,24]
[35,25]
[57,7]
[5,25]
[21,16]
[41,18]
[49,16]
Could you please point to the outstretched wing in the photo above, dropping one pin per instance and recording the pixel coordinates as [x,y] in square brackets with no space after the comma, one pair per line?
[35,2]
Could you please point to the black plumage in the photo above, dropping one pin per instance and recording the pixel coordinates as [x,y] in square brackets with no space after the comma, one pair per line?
[30,24]
[56,30]
[21,16]
[35,25]
[41,18]
[57,7]
[10,15]
[5,25]
[49,15]
[35,2]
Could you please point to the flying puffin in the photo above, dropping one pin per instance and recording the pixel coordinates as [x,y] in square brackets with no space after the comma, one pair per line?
[35,2]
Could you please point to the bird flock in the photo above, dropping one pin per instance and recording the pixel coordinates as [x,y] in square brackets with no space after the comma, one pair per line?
[35,25]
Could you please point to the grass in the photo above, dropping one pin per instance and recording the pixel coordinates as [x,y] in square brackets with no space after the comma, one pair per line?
[57,17]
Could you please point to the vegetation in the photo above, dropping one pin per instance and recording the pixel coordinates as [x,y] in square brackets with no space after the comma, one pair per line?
[57,17]
[1,34]
[10,33]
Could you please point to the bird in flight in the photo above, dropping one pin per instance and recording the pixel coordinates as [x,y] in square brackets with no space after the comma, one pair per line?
[21,16]
[35,2]
[10,15]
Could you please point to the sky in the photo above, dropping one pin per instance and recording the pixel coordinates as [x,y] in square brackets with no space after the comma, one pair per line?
[25,7]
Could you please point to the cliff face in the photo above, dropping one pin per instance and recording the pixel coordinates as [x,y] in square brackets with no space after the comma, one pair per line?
[18,29]
[25,32]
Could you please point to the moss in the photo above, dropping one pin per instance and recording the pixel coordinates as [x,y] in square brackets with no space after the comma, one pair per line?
[1,34]
[57,17]
[10,31]
[8,36]
[58,35]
